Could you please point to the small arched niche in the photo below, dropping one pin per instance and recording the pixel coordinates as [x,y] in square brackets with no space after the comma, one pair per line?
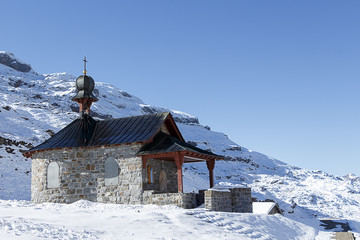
[53,178]
[111,172]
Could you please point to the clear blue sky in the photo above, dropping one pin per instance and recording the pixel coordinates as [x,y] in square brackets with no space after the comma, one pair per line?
[278,77]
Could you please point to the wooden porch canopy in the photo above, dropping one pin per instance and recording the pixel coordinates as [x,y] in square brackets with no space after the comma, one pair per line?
[169,148]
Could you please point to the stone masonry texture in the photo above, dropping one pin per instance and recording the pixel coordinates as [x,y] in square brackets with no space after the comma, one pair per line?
[183,200]
[230,200]
[82,176]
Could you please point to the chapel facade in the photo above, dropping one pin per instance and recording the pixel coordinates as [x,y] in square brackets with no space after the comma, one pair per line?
[131,160]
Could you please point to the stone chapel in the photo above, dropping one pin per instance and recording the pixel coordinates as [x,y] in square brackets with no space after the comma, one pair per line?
[131,160]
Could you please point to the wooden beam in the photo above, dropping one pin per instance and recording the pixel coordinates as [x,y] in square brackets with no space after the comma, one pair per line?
[172,127]
[144,160]
[179,161]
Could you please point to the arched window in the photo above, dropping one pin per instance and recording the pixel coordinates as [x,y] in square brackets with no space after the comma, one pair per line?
[52,176]
[150,174]
[111,172]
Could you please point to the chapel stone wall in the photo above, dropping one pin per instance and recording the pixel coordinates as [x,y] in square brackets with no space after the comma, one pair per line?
[82,175]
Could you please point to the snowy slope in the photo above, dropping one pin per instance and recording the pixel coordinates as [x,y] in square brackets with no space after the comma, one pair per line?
[24,220]
[33,106]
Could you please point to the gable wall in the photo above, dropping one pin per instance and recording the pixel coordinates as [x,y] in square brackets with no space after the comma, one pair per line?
[275,210]
[82,175]
[164,129]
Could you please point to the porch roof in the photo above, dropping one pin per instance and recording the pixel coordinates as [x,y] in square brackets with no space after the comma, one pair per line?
[164,143]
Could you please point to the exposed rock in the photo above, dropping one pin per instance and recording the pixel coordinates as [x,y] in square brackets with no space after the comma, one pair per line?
[9,142]
[244,160]
[207,127]
[102,116]
[149,110]
[17,83]
[152,110]
[234,148]
[125,94]
[37,96]
[10,150]
[330,224]
[9,60]
[187,120]
[50,132]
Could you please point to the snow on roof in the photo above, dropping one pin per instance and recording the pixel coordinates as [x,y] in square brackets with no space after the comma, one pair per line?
[225,187]
[230,185]
[263,207]
[219,189]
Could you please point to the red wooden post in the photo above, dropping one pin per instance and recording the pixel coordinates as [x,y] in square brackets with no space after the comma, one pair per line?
[211,165]
[179,161]
[144,160]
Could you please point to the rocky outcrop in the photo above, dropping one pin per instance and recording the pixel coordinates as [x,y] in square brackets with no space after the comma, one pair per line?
[9,60]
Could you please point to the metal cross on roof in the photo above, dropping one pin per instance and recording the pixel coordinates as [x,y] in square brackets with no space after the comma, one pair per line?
[85,65]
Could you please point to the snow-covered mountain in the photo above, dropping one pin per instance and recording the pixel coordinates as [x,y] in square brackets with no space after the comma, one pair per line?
[33,106]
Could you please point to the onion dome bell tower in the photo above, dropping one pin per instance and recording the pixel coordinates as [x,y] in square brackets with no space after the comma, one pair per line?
[84,96]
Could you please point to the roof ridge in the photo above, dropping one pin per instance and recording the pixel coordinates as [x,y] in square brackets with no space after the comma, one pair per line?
[165,114]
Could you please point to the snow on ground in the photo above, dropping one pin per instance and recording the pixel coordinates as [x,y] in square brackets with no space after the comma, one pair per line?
[88,220]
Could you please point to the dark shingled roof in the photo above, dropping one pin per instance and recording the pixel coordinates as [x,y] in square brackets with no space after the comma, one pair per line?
[127,130]
[164,143]
[87,132]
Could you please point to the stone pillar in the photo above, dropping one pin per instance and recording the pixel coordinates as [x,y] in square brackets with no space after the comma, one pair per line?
[211,165]
[218,200]
[241,200]
[229,200]
[179,160]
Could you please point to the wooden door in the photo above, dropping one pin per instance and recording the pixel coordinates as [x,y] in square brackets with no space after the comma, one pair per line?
[163,181]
